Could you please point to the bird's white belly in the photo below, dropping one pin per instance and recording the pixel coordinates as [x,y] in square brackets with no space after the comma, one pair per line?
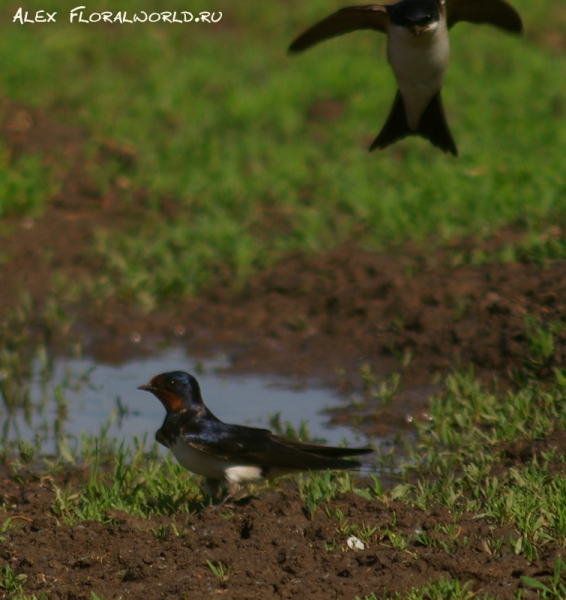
[213,467]
[419,64]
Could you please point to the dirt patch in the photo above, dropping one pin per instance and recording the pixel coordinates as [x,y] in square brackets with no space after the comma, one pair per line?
[351,306]
[552,35]
[60,239]
[267,545]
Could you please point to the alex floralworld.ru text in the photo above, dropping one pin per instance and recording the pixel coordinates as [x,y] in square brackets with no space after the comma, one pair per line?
[77,15]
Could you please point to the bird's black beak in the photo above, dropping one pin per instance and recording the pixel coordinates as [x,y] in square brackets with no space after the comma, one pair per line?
[146,386]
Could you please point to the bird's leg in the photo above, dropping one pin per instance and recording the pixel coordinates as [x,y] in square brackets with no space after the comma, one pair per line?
[212,487]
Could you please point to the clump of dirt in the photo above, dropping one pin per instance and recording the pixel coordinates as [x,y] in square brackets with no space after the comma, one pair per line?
[267,546]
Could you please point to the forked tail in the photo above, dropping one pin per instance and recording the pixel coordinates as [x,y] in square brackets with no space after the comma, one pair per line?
[432,126]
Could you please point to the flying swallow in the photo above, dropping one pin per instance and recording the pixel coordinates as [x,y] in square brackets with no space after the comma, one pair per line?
[418,51]
[230,455]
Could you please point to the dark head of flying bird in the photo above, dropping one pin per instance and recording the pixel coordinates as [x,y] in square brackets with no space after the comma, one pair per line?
[231,454]
[418,51]
[415,15]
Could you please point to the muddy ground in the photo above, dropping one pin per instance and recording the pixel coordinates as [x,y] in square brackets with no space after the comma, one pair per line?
[407,310]
[272,550]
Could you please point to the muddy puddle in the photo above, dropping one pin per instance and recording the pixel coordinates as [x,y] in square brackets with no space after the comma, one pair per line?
[81,397]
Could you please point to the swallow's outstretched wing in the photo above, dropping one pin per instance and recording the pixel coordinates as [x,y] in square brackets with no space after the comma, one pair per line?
[352,18]
[492,12]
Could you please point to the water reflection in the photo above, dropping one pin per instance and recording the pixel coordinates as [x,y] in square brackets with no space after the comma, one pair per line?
[81,397]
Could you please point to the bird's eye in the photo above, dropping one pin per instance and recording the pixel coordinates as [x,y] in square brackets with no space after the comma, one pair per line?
[172,381]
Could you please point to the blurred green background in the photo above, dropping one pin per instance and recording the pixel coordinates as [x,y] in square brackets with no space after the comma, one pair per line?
[262,152]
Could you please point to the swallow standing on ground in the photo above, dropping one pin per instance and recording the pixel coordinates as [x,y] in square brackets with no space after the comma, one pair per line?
[418,52]
[231,454]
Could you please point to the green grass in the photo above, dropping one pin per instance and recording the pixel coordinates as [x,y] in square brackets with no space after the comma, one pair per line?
[454,590]
[218,118]
[134,482]
[25,183]
[459,457]
[555,588]
[222,573]
[435,590]
[12,584]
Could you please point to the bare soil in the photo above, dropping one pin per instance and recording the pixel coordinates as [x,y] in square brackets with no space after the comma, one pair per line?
[324,316]
[272,550]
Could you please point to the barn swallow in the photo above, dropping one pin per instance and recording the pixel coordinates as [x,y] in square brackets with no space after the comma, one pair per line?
[231,454]
[418,51]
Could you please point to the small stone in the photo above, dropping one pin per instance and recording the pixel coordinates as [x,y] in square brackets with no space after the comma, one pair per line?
[355,543]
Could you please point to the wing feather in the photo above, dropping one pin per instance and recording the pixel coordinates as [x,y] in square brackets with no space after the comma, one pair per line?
[493,12]
[249,445]
[346,20]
